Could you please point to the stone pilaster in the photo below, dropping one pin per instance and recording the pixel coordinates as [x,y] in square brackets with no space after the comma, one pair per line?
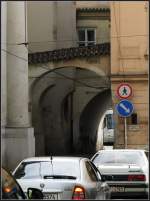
[19,136]
[3,74]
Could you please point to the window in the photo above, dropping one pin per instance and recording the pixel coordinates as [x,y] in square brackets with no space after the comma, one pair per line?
[96,170]
[134,118]
[28,170]
[104,124]
[110,123]
[91,172]
[86,36]
[70,168]
[119,157]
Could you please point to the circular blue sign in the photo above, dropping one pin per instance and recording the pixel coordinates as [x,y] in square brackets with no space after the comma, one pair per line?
[124,108]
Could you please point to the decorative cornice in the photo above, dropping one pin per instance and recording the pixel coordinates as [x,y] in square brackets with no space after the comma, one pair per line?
[93,9]
[69,53]
[93,13]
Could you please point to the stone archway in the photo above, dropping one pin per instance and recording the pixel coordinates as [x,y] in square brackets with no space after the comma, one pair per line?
[52,96]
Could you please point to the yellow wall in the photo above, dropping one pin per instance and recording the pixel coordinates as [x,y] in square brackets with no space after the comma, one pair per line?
[129,63]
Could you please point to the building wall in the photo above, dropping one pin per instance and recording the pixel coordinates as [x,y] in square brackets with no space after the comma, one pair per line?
[129,63]
[94,4]
[41,24]
[51,25]
[66,24]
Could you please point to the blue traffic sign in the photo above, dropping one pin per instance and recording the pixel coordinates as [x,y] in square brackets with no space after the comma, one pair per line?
[124,108]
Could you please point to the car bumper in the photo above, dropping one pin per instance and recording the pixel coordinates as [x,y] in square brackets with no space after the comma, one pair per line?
[125,191]
[130,195]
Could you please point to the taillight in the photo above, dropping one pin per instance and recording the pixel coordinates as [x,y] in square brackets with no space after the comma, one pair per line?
[136,178]
[78,193]
[7,190]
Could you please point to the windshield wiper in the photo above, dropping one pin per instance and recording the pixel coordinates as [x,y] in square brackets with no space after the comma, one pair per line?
[59,177]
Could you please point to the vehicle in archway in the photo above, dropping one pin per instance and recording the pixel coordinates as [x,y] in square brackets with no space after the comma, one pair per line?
[126,172]
[62,178]
[108,128]
[10,188]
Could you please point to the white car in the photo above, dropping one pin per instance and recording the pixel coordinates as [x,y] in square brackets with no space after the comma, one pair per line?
[62,178]
[125,170]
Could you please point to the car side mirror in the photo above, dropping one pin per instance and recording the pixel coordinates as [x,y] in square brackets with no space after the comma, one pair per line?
[34,193]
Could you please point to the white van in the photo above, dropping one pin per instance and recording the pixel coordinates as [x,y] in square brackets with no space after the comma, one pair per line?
[108,128]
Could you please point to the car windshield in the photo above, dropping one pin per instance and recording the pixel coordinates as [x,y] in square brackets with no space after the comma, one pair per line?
[44,169]
[121,157]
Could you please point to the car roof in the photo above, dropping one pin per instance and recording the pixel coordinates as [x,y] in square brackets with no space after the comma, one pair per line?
[54,158]
[112,150]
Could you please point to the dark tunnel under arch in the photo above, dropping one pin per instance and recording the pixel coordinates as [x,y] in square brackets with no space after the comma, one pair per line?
[89,121]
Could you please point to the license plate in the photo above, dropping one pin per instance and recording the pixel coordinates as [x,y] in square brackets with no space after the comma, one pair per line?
[117,189]
[51,196]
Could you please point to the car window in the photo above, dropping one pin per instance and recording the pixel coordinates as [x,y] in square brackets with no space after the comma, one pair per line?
[64,168]
[147,154]
[96,170]
[28,170]
[95,156]
[70,168]
[46,168]
[91,172]
[121,157]
[10,187]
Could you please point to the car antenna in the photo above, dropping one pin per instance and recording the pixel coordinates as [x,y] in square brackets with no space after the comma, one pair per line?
[51,162]
[51,158]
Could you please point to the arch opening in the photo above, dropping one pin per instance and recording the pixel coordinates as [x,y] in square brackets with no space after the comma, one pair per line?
[61,113]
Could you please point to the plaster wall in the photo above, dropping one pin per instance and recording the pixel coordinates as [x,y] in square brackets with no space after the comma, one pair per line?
[94,4]
[66,24]
[129,63]
[129,33]
[56,26]
[42,27]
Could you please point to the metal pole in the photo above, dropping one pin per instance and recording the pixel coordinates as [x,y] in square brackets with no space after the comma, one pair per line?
[125,126]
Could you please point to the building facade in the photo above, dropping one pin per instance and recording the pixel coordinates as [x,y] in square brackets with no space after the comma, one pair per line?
[61,105]
[57,67]
[39,107]
[129,64]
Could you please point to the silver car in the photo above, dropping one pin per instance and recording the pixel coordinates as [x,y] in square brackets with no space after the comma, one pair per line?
[125,171]
[62,178]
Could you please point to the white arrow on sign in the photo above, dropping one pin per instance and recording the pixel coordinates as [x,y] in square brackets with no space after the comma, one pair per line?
[127,110]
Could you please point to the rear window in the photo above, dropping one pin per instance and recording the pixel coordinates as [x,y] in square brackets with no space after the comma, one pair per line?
[28,170]
[119,157]
[40,169]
